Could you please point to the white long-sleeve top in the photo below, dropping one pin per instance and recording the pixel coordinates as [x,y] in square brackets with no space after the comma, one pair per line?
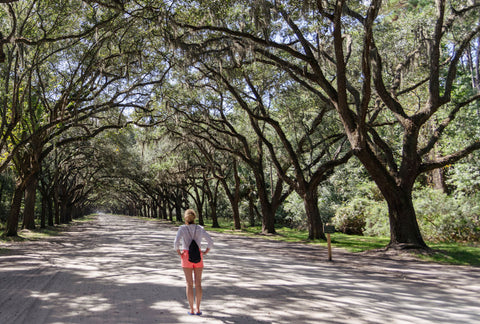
[185,234]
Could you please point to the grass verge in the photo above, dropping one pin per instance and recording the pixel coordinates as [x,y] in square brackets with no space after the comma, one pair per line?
[454,253]
[40,233]
[448,253]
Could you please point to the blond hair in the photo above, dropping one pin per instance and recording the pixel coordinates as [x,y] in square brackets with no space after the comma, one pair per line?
[190,216]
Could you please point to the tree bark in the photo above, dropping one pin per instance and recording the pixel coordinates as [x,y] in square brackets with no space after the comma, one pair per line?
[56,203]
[233,196]
[397,191]
[251,209]
[163,209]
[199,199]
[404,230]
[268,214]
[43,213]
[236,197]
[213,214]
[170,212]
[268,220]
[315,225]
[63,211]
[437,178]
[178,207]
[69,212]
[12,220]
[50,212]
[212,202]
[30,199]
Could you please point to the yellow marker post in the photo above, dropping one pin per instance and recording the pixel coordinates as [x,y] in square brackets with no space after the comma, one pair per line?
[329,242]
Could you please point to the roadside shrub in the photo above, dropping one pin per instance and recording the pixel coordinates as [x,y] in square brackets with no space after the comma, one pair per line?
[295,216]
[293,212]
[351,218]
[327,199]
[441,218]
[366,213]
[376,222]
[444,218]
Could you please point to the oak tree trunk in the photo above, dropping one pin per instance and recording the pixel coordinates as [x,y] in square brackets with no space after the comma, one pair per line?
[212,196]
[251,210]
[268,220]
[12,220]
[50,212]
[404,229]
[268,214]
[43,213]
[270,200]
[30,198]
[178,207]
[315,225]
[235,197]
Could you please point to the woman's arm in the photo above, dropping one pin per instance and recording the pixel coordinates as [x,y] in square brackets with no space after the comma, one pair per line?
[177,241]
[208,239]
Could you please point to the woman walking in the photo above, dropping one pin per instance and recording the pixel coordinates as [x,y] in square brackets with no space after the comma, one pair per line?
[186,233]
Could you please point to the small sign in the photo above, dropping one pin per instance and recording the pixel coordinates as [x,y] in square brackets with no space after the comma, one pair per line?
[329,229]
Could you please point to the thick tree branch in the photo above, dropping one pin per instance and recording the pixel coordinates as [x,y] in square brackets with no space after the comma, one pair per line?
[434,85]
[440,129]
[440,162]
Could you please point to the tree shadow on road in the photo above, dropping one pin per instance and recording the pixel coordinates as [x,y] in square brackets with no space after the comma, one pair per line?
[124,270]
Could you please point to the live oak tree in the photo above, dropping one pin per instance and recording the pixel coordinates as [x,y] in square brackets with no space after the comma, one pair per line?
[337,48]
[221,166]
[311,159]
[304,145]
[224,167]
[397,92]
[65,74]
[202,111]
[395,173]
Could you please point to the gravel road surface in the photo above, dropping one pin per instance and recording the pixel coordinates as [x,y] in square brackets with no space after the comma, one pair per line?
[124,270]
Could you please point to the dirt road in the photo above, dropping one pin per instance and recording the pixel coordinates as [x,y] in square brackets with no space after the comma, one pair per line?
[124,270]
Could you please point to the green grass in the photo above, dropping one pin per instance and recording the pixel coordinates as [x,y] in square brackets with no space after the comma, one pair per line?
[40,233]
[449,253]
[454,253]
[32,235]
[86,218]
[352,243]
[357,243]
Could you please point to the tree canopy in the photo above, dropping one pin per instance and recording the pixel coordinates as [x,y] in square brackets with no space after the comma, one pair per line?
[250,110]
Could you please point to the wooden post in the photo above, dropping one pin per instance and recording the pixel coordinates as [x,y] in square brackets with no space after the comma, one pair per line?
[329,229]
[329,243]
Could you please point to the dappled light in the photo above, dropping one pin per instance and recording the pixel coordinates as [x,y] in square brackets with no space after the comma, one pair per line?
[124,270]
[351,122]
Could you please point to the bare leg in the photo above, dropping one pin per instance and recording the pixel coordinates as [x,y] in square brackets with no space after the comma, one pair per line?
[189,290]
[198,286]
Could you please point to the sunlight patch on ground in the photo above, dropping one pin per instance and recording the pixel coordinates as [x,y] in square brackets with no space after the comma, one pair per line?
[115,271]
[169,304]
[43,296]
[80,304]
[91,303]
